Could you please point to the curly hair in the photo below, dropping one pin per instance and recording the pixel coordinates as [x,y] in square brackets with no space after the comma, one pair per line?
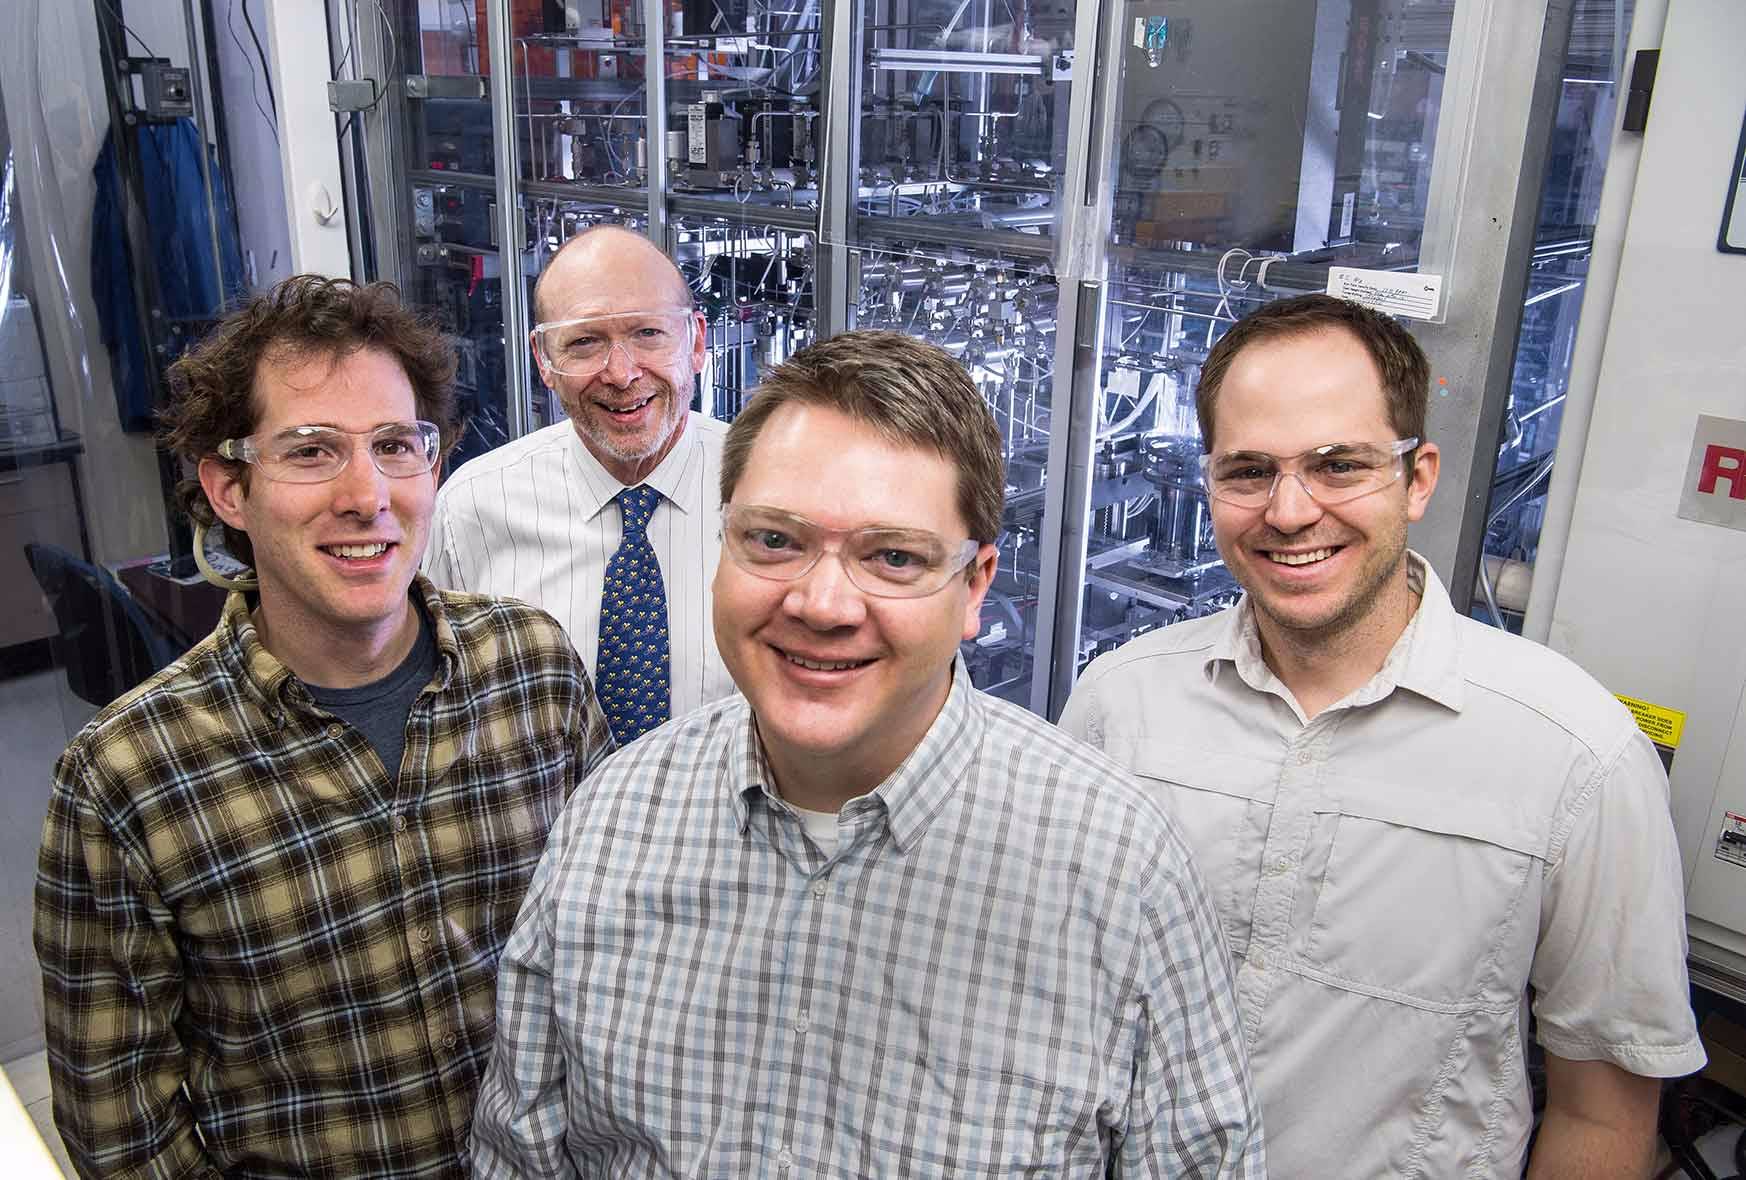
[908,390]
[306,316]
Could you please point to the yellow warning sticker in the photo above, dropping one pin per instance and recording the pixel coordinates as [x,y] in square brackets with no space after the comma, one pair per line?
[1663,725]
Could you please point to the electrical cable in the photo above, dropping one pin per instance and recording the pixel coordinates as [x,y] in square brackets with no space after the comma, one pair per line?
[381,90]
[272,120]
[116,13]
[472,29]
[266,71]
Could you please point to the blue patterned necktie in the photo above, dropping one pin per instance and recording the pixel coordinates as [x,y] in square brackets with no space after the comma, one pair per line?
[633,667]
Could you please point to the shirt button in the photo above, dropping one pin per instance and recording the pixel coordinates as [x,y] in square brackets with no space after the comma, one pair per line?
[1258,961]
[450,1041]
[424,934]
[819,888]
[335,730]
[784,1159]
[803,1022]
[1303,757]
[1282,866]
[400,823]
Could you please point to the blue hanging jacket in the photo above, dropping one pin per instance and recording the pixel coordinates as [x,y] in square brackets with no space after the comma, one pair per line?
[181,245]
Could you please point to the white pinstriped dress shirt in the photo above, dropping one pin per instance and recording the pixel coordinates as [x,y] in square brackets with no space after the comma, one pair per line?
[1008,967]
[536,520]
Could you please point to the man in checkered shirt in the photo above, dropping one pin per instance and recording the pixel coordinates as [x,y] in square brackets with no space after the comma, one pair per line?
[864,920]
[275,877]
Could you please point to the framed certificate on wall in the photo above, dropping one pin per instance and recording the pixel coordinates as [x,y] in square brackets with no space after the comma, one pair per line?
[1732,239]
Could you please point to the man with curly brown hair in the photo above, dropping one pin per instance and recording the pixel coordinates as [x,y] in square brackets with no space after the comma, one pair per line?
[276,877]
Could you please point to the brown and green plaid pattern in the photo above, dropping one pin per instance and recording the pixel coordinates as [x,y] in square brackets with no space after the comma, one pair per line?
[245,927]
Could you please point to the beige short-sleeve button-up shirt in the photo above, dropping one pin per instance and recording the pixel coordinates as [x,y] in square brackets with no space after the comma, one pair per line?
[1394,873]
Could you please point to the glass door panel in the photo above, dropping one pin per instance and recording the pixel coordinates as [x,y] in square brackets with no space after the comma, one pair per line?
[1245,167]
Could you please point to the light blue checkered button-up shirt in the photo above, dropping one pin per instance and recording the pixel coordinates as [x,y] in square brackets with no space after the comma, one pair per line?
[1009,967]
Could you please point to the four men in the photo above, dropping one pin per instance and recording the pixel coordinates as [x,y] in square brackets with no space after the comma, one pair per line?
[867,920]
[275,878]
[1407,819]
[606,520]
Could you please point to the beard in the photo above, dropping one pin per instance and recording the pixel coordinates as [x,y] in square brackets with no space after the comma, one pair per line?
[609,438]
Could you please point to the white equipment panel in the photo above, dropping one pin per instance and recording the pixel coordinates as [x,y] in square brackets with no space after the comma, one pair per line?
[1652,598]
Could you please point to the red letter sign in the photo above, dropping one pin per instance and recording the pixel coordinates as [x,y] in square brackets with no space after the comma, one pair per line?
[1722,463]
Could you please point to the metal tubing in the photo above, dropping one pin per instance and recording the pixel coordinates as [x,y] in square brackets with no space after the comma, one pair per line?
[506,160]
[655,107]
[1067,510]
[834,293]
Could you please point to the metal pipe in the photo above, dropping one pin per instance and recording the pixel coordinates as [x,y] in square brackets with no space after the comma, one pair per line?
[195,73]
[511,285]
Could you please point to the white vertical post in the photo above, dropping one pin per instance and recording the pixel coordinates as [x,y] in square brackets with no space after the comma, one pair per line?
[309,149]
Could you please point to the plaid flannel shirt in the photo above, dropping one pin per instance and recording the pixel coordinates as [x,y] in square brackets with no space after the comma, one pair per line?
[260,956]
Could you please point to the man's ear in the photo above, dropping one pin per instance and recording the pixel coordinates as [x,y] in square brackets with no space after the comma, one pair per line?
[540,363]
[1422,479]
[223,484]
[699,341]
[981,576]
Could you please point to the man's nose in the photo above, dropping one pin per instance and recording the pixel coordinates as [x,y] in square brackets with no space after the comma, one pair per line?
[824,598]
[360,489]
[1291,508]
[621,366]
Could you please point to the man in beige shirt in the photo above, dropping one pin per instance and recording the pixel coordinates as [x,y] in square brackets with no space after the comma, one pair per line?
[1407,820]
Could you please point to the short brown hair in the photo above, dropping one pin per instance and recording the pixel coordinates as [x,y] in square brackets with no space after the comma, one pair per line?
[1399,361]
[911,392]
[212,387]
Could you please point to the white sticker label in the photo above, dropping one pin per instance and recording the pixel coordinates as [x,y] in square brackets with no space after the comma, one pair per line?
[697,145]
[1731,844]
[1348,206]
[1416,296]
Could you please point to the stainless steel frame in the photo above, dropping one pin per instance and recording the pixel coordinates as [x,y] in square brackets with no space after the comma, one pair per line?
[1498,101]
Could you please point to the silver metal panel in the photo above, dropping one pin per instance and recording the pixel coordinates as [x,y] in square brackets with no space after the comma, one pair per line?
[505,152]
[1082,234]
[1479,234]
[834,292]
[385,155]
[1066,512]
[444,86]
[947,61]
[655,122]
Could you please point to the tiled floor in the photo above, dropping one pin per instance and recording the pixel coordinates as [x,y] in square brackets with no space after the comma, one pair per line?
[29,1076]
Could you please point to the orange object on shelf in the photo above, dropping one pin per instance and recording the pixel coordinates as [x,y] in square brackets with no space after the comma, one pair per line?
[526,19]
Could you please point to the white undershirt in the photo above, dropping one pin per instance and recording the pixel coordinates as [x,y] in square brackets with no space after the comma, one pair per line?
[822,827]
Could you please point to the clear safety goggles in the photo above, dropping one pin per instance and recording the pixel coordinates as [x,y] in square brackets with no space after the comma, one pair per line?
[882,561]
[316,454]
[583,347]
[1331,474]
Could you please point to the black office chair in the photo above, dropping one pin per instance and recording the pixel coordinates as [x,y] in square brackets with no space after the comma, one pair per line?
[106,643]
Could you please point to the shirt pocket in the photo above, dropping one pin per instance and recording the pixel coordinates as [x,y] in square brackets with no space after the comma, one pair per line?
[1424,896]
[1222,804]
[985,1123]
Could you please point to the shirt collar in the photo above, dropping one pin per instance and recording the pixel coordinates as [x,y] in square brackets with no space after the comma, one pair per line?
[914,793]
[273,684]
[676,477]
[1425,658]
